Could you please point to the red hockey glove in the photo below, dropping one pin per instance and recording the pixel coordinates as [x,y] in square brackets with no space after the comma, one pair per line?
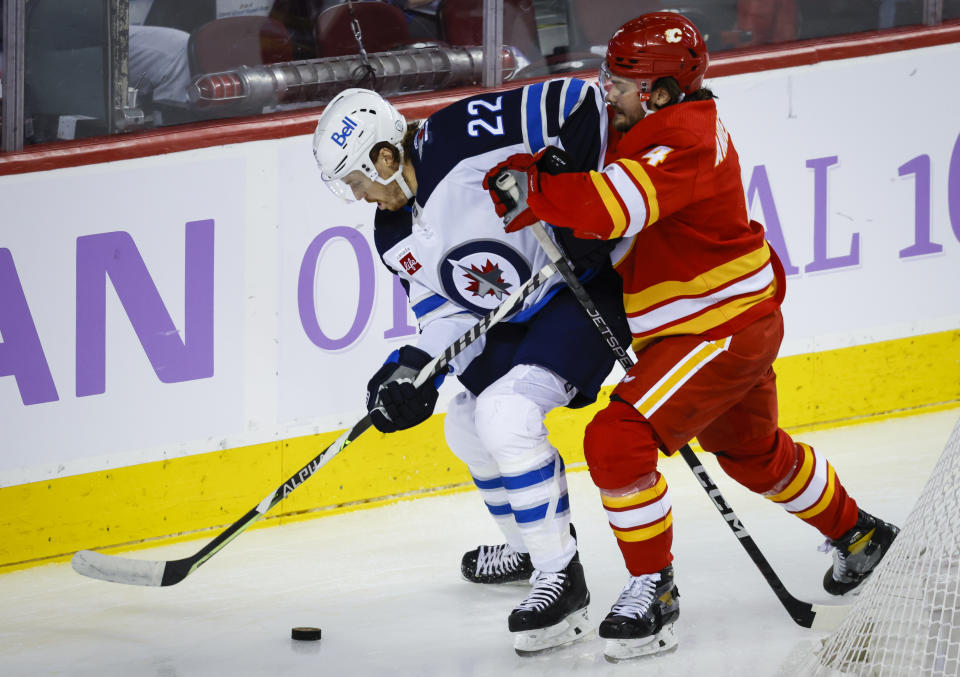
[509,184]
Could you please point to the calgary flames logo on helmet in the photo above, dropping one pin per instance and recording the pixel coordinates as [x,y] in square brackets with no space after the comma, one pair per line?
[657,45]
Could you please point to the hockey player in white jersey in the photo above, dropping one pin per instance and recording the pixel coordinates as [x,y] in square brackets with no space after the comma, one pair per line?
[436,229]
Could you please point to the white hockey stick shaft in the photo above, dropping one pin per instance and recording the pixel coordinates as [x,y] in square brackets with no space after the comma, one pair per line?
[169,572]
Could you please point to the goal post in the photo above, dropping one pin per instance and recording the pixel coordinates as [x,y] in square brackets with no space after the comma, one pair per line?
[907,619]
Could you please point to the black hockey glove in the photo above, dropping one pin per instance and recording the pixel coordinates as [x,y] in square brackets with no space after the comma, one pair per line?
[584,253]
[392,401]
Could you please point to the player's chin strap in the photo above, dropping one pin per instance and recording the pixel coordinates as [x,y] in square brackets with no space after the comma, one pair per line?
[398,177]
[402,182]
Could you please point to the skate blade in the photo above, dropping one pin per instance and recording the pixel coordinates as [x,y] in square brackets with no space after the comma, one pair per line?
[573,628]
[525,582]
[663,642]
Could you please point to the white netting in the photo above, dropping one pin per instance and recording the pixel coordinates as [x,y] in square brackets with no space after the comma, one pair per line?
[906,621]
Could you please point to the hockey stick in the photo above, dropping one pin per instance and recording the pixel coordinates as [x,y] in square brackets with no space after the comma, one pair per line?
[169,572]
[805,614]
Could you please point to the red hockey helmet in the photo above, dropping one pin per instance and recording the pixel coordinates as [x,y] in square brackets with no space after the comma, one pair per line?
[653,46]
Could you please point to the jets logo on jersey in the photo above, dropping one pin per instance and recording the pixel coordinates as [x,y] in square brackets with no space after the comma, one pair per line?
[479,275]
[487,280]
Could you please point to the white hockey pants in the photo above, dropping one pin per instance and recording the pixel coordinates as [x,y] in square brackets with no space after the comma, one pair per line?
[501,437]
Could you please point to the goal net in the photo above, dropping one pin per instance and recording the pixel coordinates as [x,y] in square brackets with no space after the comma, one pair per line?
[906,622]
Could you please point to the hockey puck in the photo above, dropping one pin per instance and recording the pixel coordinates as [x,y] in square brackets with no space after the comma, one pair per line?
[306,634]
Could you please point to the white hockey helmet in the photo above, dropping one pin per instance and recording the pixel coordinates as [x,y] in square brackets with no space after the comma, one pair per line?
[352,123]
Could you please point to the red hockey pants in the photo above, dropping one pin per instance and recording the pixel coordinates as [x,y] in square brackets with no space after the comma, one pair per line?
[723,393]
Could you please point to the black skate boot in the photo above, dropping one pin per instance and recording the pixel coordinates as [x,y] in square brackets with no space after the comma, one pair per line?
[554,613]
[496,564]
[641,621]
[857,553]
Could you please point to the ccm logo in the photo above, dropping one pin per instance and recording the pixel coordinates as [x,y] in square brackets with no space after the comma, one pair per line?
[340,138]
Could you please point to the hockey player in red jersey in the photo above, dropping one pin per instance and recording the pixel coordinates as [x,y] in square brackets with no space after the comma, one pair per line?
[702,293]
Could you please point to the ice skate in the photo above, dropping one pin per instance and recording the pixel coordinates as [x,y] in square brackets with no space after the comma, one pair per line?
[496,564]
[641,621]
[857,553]
[554,613]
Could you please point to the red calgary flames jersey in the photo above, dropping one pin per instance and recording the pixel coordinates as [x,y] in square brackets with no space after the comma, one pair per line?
[691,260]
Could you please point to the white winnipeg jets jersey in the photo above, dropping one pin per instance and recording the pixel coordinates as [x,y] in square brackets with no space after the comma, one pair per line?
[455,259]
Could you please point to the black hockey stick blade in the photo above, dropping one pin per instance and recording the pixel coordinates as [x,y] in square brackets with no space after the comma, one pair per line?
[116,569]
[804,614]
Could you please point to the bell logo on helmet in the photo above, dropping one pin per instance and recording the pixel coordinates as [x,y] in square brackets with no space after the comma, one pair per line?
[673,35]
[340,138]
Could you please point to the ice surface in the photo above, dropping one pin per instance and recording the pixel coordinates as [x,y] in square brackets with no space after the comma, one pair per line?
[384,586]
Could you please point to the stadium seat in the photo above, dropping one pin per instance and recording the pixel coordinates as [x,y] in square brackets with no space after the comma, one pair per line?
[596,20]
[383,27]
[461,23]
[226,43]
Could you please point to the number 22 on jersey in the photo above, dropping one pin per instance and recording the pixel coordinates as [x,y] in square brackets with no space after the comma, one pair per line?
[477,123]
